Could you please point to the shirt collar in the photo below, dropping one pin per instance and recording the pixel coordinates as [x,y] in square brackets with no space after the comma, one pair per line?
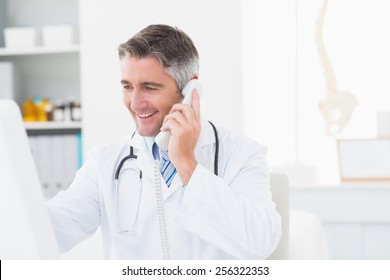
[149,143]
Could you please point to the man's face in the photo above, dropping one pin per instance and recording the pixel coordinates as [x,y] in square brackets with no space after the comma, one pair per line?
[148,93]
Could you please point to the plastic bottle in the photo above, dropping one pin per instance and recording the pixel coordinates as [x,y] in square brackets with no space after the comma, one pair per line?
[75,110]
[41,112]
[29,110]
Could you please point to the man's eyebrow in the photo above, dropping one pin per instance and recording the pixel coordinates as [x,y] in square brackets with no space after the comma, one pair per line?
[124,82]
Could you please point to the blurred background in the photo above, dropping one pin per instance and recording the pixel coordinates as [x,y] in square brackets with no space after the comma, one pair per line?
[307,78]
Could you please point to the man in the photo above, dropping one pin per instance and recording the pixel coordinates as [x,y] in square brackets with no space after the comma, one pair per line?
[205,211]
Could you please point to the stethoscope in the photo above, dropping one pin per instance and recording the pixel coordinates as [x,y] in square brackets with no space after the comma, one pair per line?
[133,156]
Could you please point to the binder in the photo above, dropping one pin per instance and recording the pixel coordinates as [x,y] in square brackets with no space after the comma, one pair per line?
[57,157]
[70,158]
[44,164]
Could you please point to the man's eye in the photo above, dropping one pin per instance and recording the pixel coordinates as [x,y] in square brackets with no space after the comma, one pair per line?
[127,87]
[150,88]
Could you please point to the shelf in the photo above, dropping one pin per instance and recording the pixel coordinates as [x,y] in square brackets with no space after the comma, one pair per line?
[39,50]
[51,125]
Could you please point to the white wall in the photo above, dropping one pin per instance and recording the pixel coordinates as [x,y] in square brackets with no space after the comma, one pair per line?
[284,82]
[215,27]
[269,76]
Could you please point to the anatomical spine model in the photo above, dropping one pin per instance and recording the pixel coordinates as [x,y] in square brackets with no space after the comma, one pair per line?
[338,106]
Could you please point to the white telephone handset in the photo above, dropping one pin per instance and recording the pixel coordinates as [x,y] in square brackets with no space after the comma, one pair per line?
[162,139]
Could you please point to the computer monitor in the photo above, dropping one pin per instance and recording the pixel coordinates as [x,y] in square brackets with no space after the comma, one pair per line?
[25,228]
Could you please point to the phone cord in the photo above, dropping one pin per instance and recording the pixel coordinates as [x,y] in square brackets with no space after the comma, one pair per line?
[160,211]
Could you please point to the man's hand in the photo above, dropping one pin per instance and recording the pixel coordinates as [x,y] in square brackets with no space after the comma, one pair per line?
[183,121]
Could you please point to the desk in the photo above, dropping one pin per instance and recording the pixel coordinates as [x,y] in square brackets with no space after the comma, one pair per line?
[356,217]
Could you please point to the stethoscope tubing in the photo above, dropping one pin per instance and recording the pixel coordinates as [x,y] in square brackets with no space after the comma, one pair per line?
[133,156]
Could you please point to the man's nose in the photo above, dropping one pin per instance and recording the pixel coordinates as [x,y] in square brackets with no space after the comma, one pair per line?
[138,100]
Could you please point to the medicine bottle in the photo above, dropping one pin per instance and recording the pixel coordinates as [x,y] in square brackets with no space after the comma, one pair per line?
[40,109]
[75,110]
[59,111]
[29,111]
[49,109]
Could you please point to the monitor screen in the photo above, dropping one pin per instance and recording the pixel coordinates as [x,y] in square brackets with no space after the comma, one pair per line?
[26,231]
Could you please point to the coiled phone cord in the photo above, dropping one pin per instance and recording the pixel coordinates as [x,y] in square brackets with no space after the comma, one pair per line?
[160,211]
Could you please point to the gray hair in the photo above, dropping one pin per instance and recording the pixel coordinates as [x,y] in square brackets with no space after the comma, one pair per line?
[171,46]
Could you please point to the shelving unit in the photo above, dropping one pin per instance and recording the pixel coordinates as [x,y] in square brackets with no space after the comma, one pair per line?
[46,72]
[6,52]
[42,71]
[52,125]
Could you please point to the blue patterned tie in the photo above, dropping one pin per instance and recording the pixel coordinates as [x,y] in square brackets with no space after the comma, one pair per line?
[167,169]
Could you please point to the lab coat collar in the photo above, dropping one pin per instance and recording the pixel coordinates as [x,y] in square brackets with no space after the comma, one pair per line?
[145,160]
[137,141]
[206,136]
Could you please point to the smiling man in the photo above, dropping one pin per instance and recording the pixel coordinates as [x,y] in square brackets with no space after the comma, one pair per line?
[216,202]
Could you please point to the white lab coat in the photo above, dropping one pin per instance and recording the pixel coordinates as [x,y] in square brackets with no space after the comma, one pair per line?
[231,216]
